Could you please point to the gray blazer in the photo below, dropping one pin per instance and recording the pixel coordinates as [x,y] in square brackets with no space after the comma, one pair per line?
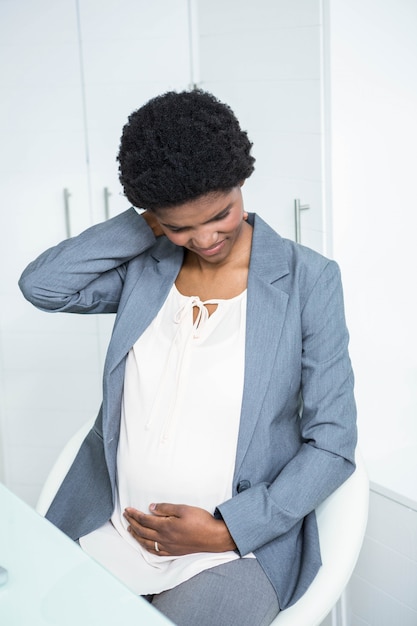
[298,420]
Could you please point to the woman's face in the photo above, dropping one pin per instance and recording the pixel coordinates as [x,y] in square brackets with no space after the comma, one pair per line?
[210,227]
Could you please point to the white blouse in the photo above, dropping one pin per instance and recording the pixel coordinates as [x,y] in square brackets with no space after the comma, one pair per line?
[178,437]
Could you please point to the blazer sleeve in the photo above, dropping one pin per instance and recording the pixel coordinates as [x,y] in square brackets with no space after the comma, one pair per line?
[325,459]
[85,274]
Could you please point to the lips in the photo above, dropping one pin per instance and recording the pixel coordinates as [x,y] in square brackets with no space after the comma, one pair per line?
[212,250]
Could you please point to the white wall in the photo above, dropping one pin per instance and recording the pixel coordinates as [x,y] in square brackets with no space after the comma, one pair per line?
[382,591]
[373,87]
[373,56]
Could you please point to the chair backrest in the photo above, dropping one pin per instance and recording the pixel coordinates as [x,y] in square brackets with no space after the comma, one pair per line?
[342,520]
[61,467]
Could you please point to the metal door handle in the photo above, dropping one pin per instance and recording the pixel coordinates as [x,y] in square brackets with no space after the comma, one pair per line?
[107,195]
[67,196]
[298,207]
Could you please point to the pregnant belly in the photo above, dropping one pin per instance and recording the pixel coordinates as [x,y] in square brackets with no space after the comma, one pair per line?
[180,470]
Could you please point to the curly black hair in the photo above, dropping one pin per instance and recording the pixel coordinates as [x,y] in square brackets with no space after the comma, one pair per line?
[180,146]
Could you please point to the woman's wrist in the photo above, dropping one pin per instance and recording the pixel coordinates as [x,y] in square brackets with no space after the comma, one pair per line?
[225,539]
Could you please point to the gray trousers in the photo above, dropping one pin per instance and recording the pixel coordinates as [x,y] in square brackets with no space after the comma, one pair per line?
[233,594]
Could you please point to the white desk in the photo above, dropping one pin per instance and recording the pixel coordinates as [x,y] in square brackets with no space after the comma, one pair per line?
[52,582]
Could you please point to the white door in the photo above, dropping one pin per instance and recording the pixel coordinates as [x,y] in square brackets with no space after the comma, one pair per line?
[44,386]
[73,71]
[264,59]
[132,51]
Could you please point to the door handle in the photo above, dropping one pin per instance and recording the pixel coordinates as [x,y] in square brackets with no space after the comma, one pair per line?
[298,207]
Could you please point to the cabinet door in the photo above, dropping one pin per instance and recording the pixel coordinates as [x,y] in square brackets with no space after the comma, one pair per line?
[42,127]
[132,51]
[264,59]
[76,71]
[47,389]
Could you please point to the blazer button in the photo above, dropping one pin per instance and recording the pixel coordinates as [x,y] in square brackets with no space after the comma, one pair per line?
[243,485]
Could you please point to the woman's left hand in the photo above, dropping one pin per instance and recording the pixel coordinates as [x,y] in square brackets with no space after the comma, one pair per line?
[178,529]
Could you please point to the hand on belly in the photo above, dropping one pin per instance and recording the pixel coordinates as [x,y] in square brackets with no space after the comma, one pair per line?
[178,529]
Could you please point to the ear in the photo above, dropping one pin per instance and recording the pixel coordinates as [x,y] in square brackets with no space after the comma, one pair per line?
[152,221]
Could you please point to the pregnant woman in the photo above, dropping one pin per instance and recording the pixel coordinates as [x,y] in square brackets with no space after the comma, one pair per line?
[228,412]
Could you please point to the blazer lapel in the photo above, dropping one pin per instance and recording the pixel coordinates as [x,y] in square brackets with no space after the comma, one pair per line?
[266,310]
[146,296]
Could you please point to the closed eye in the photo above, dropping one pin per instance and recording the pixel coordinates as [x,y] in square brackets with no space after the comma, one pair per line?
[221,216]
[176,229]
[216,218]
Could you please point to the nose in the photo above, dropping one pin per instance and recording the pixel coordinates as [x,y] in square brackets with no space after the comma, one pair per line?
[205,238]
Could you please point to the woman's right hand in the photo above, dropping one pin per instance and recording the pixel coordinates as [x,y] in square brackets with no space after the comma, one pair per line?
[152,221]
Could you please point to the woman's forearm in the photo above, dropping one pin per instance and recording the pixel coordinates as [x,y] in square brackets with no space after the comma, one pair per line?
[86,273]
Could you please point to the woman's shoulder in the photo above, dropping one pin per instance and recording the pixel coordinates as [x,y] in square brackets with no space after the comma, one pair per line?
[268,242]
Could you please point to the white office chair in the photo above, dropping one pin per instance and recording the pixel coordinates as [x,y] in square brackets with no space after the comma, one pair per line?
[341,518]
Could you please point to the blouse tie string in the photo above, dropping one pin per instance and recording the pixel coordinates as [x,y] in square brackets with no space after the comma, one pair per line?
[202,315]
[177,354]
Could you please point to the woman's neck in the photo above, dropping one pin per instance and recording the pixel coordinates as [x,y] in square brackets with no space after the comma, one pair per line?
[226,279]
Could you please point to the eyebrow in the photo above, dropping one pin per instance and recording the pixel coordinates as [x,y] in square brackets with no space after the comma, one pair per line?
[212,219]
